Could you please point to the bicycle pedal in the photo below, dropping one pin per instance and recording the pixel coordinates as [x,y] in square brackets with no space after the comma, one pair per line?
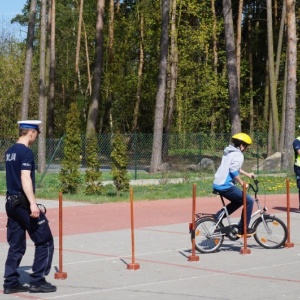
[249,235]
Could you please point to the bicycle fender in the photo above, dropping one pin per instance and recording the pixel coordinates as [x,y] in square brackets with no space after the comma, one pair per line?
[266,216]
[255,222]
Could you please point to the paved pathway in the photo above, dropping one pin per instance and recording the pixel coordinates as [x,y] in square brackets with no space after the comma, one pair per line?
[97,249]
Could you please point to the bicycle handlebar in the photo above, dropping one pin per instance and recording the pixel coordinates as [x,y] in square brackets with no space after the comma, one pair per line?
[255,186]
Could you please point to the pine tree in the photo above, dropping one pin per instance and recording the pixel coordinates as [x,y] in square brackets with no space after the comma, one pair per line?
[92,174]
[70,174]
[119,163]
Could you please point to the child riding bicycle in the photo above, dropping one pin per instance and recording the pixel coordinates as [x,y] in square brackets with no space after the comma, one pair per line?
[228,174]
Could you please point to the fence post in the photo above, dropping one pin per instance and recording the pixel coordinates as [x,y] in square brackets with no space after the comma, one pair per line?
[257,152]
[135,153]
[200,146]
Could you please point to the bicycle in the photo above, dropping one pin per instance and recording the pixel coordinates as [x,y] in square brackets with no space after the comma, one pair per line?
[209,233]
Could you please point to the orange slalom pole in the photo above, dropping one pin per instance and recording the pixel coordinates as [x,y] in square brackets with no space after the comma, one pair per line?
[245,250]
[60,274]
[133,266]
[193,257]
[288,243]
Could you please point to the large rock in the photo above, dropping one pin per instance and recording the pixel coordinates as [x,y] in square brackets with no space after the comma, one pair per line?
[165,167]
[205,164]
[194,168]
[271,163]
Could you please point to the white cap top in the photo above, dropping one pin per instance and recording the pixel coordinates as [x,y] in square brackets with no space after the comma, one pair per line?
[30,124]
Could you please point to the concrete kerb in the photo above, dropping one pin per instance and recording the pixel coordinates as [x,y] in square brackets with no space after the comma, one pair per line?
[141,182]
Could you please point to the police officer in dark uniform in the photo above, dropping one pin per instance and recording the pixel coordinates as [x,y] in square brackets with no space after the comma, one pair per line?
[24,215]
[296,146]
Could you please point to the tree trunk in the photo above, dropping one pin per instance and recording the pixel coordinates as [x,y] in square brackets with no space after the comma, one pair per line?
[291,85]
[107,121]
[28,62]
[283,110]
[216,62]
[140,70]
[270,134]
[52,73]
[110,62]
[156,157]
[77,72]
[278,58]
[280,41]
[238,44]
[231,68]
[95,99]
[42,90]
[89,88]
[250,55]
[266,98]
[173,79]
[272,76]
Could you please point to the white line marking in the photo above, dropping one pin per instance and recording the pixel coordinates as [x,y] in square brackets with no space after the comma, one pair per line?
[169,281]
[127,256]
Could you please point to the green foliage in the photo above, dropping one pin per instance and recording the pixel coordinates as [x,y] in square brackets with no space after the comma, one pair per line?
[201,94]
[70,174]
[201,91]
[119,163]
[126,60]
[12,55]
[92,174]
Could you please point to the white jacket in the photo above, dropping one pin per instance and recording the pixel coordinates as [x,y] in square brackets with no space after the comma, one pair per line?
[231,163]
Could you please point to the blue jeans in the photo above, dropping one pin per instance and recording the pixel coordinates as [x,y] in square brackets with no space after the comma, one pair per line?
[235,196]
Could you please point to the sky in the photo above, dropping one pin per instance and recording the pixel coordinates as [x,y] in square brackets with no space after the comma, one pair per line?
[8,10]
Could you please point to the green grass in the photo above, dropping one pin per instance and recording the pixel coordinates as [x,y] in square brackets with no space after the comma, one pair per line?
[49,188]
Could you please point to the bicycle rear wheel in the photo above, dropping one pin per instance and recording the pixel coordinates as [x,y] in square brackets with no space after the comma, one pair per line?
[270,234]
[206,239]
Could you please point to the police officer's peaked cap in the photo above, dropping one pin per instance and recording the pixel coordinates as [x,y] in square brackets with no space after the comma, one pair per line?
[30,124]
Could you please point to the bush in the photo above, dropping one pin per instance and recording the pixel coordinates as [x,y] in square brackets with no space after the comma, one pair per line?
[70,174]
[119,163]
[92,174]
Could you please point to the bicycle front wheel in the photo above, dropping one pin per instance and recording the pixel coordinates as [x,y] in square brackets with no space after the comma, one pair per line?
[270,233]
[207,237]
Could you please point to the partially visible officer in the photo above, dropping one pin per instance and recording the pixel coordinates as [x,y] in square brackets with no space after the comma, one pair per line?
[296,146]
[24,215]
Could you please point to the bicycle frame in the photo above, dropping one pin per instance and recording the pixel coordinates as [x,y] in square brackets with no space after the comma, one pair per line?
[269,231]
[261,211]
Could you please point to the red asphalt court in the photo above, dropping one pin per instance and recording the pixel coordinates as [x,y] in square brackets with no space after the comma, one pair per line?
[81,219]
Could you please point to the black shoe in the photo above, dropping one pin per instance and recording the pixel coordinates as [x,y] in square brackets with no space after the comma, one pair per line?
[250,232]
[43,288]
[17,288]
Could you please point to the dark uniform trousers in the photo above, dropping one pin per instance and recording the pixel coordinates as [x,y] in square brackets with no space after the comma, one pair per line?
[297,172]
[19,221]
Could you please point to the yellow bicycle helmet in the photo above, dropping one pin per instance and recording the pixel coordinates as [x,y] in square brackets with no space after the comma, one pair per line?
[242,137]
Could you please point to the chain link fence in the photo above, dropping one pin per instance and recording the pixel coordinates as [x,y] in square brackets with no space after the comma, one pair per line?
[194,152]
